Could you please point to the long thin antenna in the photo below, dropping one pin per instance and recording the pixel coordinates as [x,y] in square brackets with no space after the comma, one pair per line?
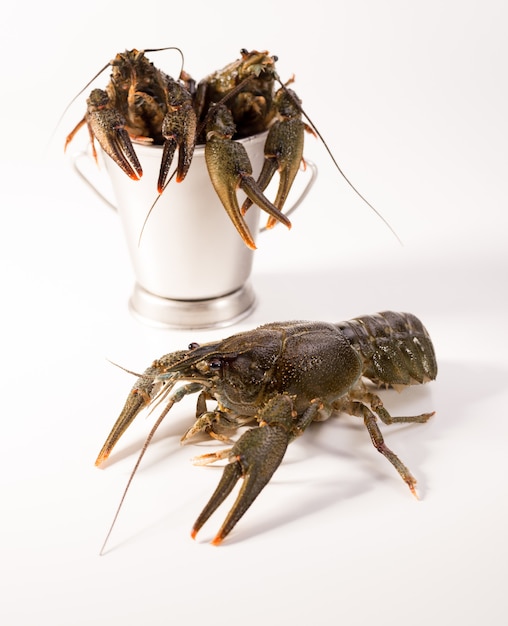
[168,48]
[141,455]
[153,205]
[77,96]
[341,172]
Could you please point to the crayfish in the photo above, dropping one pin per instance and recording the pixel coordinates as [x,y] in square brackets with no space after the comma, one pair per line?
[275,381]
[143,104]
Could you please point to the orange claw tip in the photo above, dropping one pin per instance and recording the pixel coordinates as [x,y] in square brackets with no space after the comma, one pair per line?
[249,242]
[194,532]
[101,458]
[217,540]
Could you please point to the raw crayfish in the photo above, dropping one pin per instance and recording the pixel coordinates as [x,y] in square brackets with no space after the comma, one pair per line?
[144,104]
[276,380]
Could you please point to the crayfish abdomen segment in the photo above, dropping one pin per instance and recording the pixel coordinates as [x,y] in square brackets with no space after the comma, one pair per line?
[395,347]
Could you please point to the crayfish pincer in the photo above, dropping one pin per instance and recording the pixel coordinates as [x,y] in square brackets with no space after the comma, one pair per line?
[276,380]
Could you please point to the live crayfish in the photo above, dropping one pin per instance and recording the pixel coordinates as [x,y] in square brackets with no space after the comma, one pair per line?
[276,380]
[144,104]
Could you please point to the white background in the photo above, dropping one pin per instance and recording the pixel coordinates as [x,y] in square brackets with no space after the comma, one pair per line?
[412,98]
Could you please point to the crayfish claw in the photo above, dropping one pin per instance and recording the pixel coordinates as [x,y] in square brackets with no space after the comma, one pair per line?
[107,125]
[136,401]
[152,384]
[139,398]
[413,490]
[230,169]
[268,170]
[227,162]
[168,152]
[179,131]
[254,193]
[283,149]
[254,457]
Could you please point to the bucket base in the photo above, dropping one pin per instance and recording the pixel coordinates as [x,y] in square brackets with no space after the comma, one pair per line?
[186,314]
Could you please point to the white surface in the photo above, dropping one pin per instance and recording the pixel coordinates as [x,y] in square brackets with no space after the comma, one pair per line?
[412,99]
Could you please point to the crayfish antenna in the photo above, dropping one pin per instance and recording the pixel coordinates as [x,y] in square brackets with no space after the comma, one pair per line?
[71,103]
[168,48]
[339,169]
[134,470]
[124,368]
[153,206]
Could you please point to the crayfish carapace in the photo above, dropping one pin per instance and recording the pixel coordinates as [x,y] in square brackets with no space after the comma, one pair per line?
[141,103]
[276,380]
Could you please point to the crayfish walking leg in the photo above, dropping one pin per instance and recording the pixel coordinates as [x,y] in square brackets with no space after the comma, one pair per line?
[358,409]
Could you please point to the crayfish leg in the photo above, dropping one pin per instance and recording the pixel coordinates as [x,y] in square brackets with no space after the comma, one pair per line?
[359,409]
[376,404]
[73,132]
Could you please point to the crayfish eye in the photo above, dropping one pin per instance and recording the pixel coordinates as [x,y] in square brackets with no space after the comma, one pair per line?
[193,345]
[215,364]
